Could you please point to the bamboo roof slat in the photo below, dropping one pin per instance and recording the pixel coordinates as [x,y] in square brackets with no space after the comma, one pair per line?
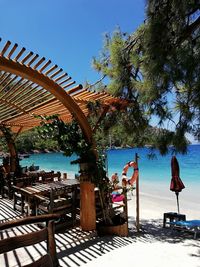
[8,83]
[24,92]
[75,88]
[30,91]
[79,93]
[16,93]
[42,104]
[71,91]
[85,96]
[12,51]
[30,102]
[13,105]
[51,69]
[5,78]
[32,60]
[69,84]
[60,77]
[64,81]
[26,57]
[52,110]
[19,54]
[45,66]
[2,75]
[12,91]
[39,63]
[55,73]
[7,45]
[36,89]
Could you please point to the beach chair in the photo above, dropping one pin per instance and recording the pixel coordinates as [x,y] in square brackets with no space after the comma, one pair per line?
[192,226]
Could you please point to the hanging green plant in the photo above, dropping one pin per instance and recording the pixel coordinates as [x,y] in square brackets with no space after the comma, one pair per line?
[72,140]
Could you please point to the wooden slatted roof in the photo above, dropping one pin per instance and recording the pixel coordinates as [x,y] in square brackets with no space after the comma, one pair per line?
[31,85]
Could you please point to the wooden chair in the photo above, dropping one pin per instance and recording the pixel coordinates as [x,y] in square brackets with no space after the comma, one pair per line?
[18,199]
[46,233]
[61,201]
[50,176]
[7,185]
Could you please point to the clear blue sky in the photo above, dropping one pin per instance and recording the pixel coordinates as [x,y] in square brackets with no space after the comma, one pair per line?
[69,32]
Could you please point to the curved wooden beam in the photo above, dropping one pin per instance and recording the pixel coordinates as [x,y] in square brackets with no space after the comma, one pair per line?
[11,147]
[33,75]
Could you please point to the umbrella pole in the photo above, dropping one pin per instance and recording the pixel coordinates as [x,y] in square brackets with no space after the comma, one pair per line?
[177,193]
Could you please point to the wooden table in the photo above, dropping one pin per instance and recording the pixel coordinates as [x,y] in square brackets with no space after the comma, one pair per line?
[32,194]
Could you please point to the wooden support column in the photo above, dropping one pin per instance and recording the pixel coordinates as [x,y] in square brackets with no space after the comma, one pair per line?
[87,200]
[13,156]
[12,149]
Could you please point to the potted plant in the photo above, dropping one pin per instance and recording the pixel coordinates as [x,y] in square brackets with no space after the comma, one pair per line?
[92,171]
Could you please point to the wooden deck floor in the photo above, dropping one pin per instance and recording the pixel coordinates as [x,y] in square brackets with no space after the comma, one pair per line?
[74,246]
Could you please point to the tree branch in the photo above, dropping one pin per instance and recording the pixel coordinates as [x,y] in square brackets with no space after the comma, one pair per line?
[190,29]
[95,83]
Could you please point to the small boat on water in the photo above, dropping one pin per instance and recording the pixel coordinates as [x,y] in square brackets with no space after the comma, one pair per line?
[23,156]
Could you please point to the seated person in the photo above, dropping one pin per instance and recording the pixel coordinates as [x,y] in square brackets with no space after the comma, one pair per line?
[115,178]
[117,196]
[117,192]
[124,181]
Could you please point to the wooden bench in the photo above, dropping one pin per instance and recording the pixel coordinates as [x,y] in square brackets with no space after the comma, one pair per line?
[28,239]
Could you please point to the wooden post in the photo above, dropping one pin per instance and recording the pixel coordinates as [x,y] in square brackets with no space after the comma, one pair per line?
[137,198]
[13,161]
[87,199]
[125,207]
[87,206]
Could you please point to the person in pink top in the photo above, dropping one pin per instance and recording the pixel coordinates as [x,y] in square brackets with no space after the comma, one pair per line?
[116,194]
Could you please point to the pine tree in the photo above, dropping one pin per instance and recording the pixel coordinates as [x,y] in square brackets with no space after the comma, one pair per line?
[157,69]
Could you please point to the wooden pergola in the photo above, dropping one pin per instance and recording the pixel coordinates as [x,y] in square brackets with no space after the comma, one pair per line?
[30,85]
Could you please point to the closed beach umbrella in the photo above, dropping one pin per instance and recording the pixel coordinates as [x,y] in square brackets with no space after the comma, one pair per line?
[176,183]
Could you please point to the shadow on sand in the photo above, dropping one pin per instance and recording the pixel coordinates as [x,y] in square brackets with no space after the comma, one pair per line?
[76,247]
[80,251]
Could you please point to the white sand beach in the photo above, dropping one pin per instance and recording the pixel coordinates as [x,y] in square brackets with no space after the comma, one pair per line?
[156,246]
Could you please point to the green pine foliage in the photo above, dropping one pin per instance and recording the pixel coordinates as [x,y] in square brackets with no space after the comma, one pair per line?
[157,69]
[172,56]
[120,63]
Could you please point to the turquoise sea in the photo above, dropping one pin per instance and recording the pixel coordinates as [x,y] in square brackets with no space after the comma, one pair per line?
[151,170]
[154,177]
